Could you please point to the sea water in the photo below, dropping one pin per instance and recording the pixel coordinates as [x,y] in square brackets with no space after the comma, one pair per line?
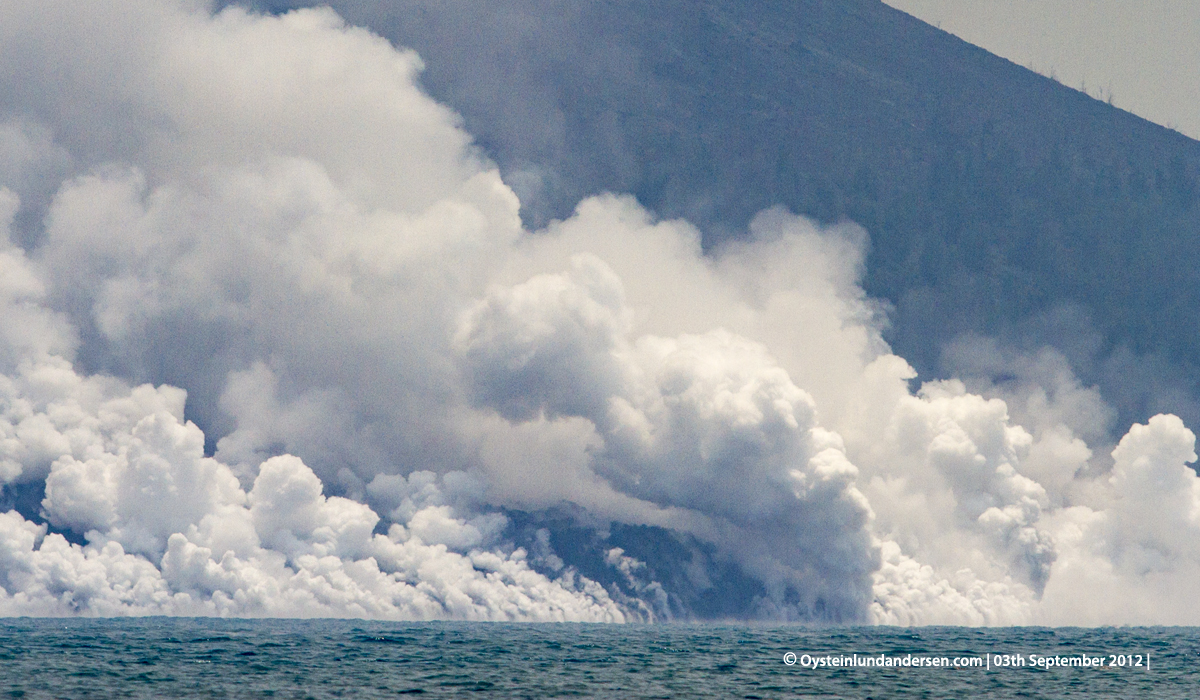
[211,658]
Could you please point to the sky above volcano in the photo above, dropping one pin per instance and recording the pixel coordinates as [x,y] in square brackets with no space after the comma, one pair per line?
[1145,55]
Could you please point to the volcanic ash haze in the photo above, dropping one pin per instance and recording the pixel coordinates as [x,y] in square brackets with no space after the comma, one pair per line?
[262,226]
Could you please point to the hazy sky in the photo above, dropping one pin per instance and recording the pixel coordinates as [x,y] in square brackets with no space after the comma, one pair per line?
[1145,52]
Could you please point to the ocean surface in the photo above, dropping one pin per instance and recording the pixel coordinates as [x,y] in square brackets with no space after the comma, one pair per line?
[210,658]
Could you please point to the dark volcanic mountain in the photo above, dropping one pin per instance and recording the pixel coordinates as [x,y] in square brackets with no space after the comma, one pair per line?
[998,201]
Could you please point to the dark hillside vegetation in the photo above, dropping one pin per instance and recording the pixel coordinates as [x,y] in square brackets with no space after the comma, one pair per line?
[997,200]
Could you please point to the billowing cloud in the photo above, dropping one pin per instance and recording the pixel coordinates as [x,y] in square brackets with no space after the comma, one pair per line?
[280,346]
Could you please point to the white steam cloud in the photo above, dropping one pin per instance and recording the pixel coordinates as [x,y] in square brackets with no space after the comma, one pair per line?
[269,213]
